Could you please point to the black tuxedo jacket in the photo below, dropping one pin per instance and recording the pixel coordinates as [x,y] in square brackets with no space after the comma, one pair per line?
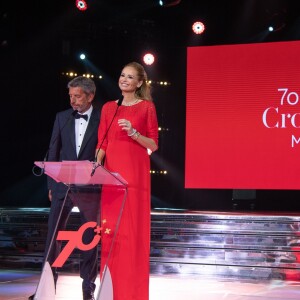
[62,144]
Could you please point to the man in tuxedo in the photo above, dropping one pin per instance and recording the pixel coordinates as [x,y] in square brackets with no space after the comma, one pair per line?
[74,137]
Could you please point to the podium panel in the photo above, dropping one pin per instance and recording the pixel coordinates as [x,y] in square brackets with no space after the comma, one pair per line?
[46,288]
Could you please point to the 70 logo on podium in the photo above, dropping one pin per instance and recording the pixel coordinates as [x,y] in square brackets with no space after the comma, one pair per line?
[74,239]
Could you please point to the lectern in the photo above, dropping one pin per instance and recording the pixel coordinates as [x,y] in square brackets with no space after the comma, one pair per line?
[82,174]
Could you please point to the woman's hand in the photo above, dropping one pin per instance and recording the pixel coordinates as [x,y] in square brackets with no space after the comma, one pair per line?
[126,125]
[136,136]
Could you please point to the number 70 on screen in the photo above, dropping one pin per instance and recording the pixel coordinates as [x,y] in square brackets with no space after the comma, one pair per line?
[291,98]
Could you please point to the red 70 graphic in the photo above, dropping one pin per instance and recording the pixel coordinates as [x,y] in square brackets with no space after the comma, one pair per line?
[75,240]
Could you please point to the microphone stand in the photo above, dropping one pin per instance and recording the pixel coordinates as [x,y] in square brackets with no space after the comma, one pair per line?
[95,164]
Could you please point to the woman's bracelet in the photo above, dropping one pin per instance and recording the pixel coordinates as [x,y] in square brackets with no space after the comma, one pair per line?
[133,132]
[136,135]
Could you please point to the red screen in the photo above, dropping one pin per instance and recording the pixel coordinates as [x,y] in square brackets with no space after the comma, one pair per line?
[243,116]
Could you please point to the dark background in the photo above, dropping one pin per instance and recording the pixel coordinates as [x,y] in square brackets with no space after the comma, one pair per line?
[41,40]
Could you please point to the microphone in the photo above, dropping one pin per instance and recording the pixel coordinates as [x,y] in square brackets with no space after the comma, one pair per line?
[54,140]
[120,100]
[95,166]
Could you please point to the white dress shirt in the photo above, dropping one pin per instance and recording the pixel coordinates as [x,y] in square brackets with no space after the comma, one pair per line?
[80,128]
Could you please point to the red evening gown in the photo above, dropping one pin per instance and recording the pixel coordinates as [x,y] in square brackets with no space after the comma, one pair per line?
[129,260]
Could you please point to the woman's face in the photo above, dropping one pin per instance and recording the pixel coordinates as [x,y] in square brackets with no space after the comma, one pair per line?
[128,81]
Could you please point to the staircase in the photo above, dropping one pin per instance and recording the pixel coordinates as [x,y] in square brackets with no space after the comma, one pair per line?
[212,244]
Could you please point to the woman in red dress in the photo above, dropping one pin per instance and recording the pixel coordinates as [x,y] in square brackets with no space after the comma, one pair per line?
[127,132]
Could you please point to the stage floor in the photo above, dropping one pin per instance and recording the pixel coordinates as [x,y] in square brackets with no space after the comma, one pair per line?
[17,285]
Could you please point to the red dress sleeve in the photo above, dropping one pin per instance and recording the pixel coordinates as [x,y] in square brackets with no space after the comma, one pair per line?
[152,124]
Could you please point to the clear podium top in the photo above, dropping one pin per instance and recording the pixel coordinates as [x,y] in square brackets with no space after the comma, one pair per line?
[80,173]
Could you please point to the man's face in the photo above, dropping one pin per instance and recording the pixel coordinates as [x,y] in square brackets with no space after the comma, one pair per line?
[79,100]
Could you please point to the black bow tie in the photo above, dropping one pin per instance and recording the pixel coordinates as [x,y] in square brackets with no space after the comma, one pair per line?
[78,116]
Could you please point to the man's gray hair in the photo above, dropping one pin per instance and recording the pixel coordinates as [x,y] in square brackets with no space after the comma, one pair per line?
[87,84]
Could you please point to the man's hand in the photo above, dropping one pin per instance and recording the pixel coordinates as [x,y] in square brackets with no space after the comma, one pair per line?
[50,195]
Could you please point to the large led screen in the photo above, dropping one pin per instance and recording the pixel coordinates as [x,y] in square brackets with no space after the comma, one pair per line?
[243,116]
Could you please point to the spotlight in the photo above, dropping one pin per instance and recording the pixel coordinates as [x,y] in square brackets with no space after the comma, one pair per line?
[148,59]
[81,5]
[277,20]
[198,27]
[276,27]
[167,3]
[82,56]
